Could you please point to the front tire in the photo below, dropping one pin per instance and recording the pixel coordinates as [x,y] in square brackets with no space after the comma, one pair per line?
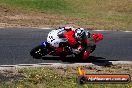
[38,52]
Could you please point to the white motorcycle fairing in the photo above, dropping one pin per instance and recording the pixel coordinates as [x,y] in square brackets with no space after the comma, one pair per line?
[53,39]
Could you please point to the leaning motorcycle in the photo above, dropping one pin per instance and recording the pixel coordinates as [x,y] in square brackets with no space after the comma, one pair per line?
[54,39]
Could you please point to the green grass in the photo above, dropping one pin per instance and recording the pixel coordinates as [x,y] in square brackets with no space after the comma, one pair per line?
[98,14]
[38,5]
[54,78]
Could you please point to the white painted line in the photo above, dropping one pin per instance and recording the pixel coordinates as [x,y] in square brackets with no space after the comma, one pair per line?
[2,27]
[127,31]
[45,28]
[48,28]
[121,62]
[12,67]
[101,30]
[112,30]
[94,63]
[46,63]
[98,30]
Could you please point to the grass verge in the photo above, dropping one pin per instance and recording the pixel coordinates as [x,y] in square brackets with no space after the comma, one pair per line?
[61,77]
[95,14]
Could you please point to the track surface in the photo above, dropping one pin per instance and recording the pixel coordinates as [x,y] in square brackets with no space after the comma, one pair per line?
[16,43]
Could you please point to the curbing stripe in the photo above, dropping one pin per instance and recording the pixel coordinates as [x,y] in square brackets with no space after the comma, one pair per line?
[14,68]
[5,67]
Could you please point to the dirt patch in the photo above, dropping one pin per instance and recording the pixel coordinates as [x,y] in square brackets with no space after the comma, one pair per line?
[6,11]
[8,76]
[16,18]
[113,69]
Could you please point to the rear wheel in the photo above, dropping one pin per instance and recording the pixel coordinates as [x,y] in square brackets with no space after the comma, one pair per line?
[38,52]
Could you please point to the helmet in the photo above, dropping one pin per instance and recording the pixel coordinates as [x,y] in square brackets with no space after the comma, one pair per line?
[68,28]
[79,33]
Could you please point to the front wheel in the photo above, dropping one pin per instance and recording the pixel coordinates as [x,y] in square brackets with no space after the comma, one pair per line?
[38,52]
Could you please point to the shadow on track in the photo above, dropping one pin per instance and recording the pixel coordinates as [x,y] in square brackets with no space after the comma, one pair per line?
[100,61]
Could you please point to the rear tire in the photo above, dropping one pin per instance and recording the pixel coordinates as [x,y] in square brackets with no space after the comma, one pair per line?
[38,52]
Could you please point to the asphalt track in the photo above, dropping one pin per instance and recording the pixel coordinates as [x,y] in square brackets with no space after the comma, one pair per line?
[16,43]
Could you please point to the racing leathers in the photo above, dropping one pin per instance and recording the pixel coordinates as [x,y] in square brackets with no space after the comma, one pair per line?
[82,45]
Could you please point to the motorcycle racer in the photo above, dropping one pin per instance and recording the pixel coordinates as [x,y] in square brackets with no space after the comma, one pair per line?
[79,39]
[67,41]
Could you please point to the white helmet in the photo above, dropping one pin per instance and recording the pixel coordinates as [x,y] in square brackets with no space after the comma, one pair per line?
[69,28]
[79,33]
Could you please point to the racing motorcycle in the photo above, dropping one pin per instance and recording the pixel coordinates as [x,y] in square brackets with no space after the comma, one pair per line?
[56,38]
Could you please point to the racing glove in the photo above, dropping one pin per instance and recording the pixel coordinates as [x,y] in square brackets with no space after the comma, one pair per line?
[78,50]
